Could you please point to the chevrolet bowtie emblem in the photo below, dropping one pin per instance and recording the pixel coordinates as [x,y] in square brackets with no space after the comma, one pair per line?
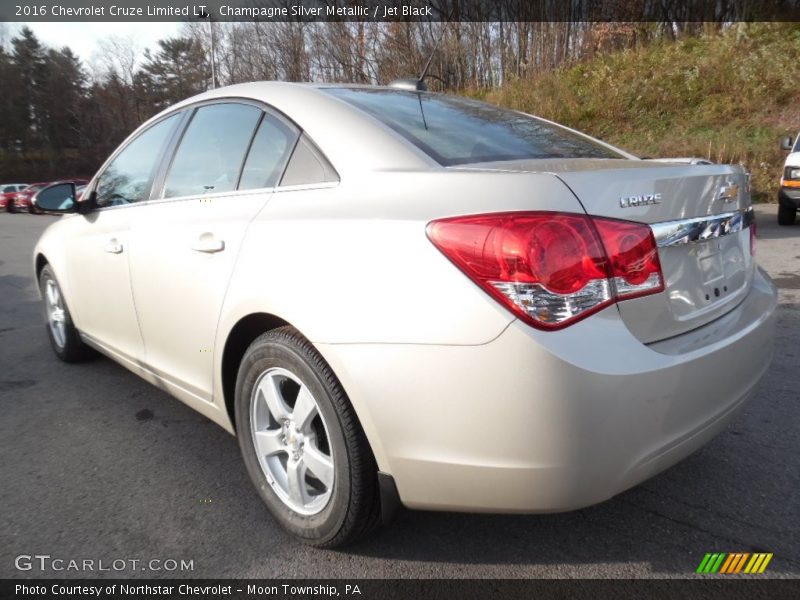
[728,192]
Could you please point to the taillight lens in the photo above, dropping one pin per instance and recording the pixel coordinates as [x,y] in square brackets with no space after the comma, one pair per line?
[552,269]
[633,256]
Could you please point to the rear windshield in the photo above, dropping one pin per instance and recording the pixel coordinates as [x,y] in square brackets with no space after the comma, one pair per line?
[456,131]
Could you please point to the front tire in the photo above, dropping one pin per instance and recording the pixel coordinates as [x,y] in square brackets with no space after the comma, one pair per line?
[786,215]
[302,444]
[64,338]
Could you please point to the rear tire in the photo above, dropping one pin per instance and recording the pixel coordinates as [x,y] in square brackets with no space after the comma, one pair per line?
[64,338]
[302,444]
[786,215]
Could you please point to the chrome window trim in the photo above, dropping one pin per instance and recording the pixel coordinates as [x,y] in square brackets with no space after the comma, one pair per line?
[698,229]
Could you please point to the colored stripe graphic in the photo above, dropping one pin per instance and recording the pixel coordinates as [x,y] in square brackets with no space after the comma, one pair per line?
[715,567]
[703,563]
[765,563]
[741,562]
[732,558]
[734,562]
[758,563]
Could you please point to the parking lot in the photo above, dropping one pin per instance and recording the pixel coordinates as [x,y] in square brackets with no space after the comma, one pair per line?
[98,464]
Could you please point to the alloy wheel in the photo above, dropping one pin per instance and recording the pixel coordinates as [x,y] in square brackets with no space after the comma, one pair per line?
[292,441]
[56,315]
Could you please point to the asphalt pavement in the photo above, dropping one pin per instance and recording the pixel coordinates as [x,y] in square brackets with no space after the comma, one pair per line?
[96,464]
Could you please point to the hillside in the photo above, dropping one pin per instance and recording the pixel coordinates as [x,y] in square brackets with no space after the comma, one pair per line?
[728,97]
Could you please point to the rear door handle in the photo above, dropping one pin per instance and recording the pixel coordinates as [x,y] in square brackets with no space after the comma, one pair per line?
[113,246]
[208,244]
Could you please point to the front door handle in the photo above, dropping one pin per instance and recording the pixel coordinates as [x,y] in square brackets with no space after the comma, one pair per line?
[209,244]
[113,246]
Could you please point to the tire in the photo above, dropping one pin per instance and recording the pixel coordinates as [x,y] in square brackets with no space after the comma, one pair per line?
[64,338]
[786,215]
[10,207]
[338,498]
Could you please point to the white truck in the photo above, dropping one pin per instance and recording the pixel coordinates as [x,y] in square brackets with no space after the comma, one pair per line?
[789,194]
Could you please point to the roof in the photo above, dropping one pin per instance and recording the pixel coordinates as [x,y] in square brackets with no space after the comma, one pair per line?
[350,138]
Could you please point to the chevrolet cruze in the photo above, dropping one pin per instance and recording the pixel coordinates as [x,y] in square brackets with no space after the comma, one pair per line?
[394,297]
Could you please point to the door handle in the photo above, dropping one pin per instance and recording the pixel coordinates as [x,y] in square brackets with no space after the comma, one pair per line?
[208,244]
[113,246]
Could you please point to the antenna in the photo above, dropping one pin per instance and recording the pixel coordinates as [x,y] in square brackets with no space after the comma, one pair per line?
[419,83]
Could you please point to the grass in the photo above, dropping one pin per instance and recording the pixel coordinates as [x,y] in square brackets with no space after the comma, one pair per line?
[727,96]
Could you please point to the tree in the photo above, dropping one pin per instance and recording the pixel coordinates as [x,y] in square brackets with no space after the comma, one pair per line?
[178,70]
[62,100]
[28,60]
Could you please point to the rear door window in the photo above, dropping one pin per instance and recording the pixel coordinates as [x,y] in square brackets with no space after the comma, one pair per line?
[269,152]
[210,155]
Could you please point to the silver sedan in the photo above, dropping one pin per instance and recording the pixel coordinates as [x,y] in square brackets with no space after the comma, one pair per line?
[394,297]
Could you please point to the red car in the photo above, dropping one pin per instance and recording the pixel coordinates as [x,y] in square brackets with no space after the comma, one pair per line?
[22,201]
[8,191]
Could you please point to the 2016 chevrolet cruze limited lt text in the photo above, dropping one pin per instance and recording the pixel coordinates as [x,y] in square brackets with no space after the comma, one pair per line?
[398,297]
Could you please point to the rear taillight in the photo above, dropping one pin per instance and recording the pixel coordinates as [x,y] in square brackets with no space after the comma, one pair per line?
[633,257]
[552,269]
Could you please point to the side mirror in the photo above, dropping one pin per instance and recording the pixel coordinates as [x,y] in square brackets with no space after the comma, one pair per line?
[786,143]
[57,198]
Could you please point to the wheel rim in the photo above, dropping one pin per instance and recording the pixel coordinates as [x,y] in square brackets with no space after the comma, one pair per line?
[291,441]
[56,315]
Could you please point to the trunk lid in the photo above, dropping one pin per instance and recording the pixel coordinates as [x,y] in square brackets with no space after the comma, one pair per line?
[700,217]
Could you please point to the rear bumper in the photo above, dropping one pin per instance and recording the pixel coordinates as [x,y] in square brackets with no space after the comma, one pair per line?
[551,421]
[789,197]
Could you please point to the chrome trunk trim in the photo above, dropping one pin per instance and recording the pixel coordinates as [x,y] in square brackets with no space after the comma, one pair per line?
[687,231]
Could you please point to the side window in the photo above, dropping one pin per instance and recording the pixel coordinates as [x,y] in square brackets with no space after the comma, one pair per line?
[268,154]
[128,178]
[308,165]
[211,152]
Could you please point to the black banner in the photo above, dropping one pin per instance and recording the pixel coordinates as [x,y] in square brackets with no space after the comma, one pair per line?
[714,588]
[400,10]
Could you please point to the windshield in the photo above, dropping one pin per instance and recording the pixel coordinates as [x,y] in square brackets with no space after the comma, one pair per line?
[455,131]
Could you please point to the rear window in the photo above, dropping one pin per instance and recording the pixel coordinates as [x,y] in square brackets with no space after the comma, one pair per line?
[456,131]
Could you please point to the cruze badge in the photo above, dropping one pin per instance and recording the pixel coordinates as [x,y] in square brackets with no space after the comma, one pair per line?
[642,200]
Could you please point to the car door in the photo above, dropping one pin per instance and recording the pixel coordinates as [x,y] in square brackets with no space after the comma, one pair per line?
[98,254]
[185,245]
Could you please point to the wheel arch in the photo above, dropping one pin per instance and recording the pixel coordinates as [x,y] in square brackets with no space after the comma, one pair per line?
[39,263]
[245,331]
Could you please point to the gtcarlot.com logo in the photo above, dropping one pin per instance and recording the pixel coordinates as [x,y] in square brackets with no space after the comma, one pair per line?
[46,562]
[732,563]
